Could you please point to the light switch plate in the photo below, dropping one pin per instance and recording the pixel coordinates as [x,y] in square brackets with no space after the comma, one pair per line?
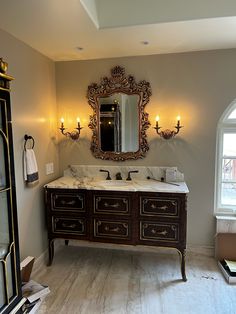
[49,168]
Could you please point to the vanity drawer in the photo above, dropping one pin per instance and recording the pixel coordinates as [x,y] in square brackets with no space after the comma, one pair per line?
[112,229]
[159,206]
[111,205]
[67,201]
[152,231]
[69,225]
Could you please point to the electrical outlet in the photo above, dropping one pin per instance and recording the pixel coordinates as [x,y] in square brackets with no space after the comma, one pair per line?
[49,168]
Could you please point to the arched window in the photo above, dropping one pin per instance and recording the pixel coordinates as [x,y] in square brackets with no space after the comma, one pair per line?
[225,183]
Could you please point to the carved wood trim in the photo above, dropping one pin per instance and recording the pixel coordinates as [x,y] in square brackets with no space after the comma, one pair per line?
[118,82]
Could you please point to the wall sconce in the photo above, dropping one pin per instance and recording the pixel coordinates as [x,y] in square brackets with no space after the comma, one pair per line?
[167,134]
[74,135]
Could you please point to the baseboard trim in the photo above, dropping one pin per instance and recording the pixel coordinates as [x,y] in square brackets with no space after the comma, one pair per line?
[42,260]
[201,250]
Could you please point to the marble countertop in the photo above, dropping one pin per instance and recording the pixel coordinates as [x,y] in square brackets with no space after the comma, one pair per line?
[67,182]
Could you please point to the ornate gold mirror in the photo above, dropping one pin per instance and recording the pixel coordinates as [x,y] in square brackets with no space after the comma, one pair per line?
[119,122]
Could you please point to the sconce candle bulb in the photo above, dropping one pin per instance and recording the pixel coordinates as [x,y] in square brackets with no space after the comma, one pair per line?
[157,126]
[74,135]
[62,122]
[78,122]
[167,134]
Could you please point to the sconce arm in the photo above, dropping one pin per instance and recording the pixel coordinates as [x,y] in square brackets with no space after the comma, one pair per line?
[168,134]
[74,135]
[178,127]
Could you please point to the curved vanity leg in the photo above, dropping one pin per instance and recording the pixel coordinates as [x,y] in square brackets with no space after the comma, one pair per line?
[66,242]
[50,251]
[182,255]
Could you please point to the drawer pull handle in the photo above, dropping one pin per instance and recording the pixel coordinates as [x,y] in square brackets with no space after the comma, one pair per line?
[63,202]
[165,207]
[164,232]
[72,226]
[116,229]
[112,205]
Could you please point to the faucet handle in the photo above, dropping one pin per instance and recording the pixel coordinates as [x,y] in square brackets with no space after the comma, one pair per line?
[118,176]
[132,171]
[108,174]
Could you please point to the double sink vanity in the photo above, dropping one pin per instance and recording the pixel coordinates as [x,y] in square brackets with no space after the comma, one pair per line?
[85,205]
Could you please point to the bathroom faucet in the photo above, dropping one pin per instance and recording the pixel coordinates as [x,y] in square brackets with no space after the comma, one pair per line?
[118,176]
[129,177]
[108,174]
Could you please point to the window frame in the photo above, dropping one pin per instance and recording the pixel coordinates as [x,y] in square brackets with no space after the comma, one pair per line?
[225,126]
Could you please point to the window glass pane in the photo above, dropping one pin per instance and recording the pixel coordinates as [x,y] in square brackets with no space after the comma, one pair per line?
[228,194]
[4,220]
[229,170]
[2,163]
[229,144]
[7,291]
[2,287]
[10,272]
[1,116]
[232,115]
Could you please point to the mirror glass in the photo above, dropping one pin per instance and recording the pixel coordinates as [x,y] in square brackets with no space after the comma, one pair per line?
[119,122]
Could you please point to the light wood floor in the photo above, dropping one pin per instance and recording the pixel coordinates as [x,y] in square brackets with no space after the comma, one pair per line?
[91,281]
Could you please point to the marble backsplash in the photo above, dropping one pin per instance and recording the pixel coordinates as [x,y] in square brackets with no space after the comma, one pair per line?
[168,173]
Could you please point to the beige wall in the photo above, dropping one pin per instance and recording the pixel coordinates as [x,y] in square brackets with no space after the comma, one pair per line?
[198,86]
[33,112]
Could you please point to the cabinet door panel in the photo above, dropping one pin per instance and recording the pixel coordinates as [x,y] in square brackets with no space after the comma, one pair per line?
[10,282]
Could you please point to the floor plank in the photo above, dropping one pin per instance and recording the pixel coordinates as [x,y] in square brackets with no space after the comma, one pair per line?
[101,281]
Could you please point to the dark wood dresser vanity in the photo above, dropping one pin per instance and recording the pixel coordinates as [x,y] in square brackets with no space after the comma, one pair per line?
[118,215]
[132,218]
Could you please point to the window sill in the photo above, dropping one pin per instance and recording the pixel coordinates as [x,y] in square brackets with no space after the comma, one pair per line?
[225,224]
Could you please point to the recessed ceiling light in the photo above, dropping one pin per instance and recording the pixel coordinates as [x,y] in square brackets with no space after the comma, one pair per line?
[145,42]
[80,48]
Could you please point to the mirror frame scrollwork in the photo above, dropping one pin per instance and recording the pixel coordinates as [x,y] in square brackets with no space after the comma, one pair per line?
[119,83]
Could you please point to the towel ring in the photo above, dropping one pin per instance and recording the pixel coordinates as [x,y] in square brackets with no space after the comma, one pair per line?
[28,137]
